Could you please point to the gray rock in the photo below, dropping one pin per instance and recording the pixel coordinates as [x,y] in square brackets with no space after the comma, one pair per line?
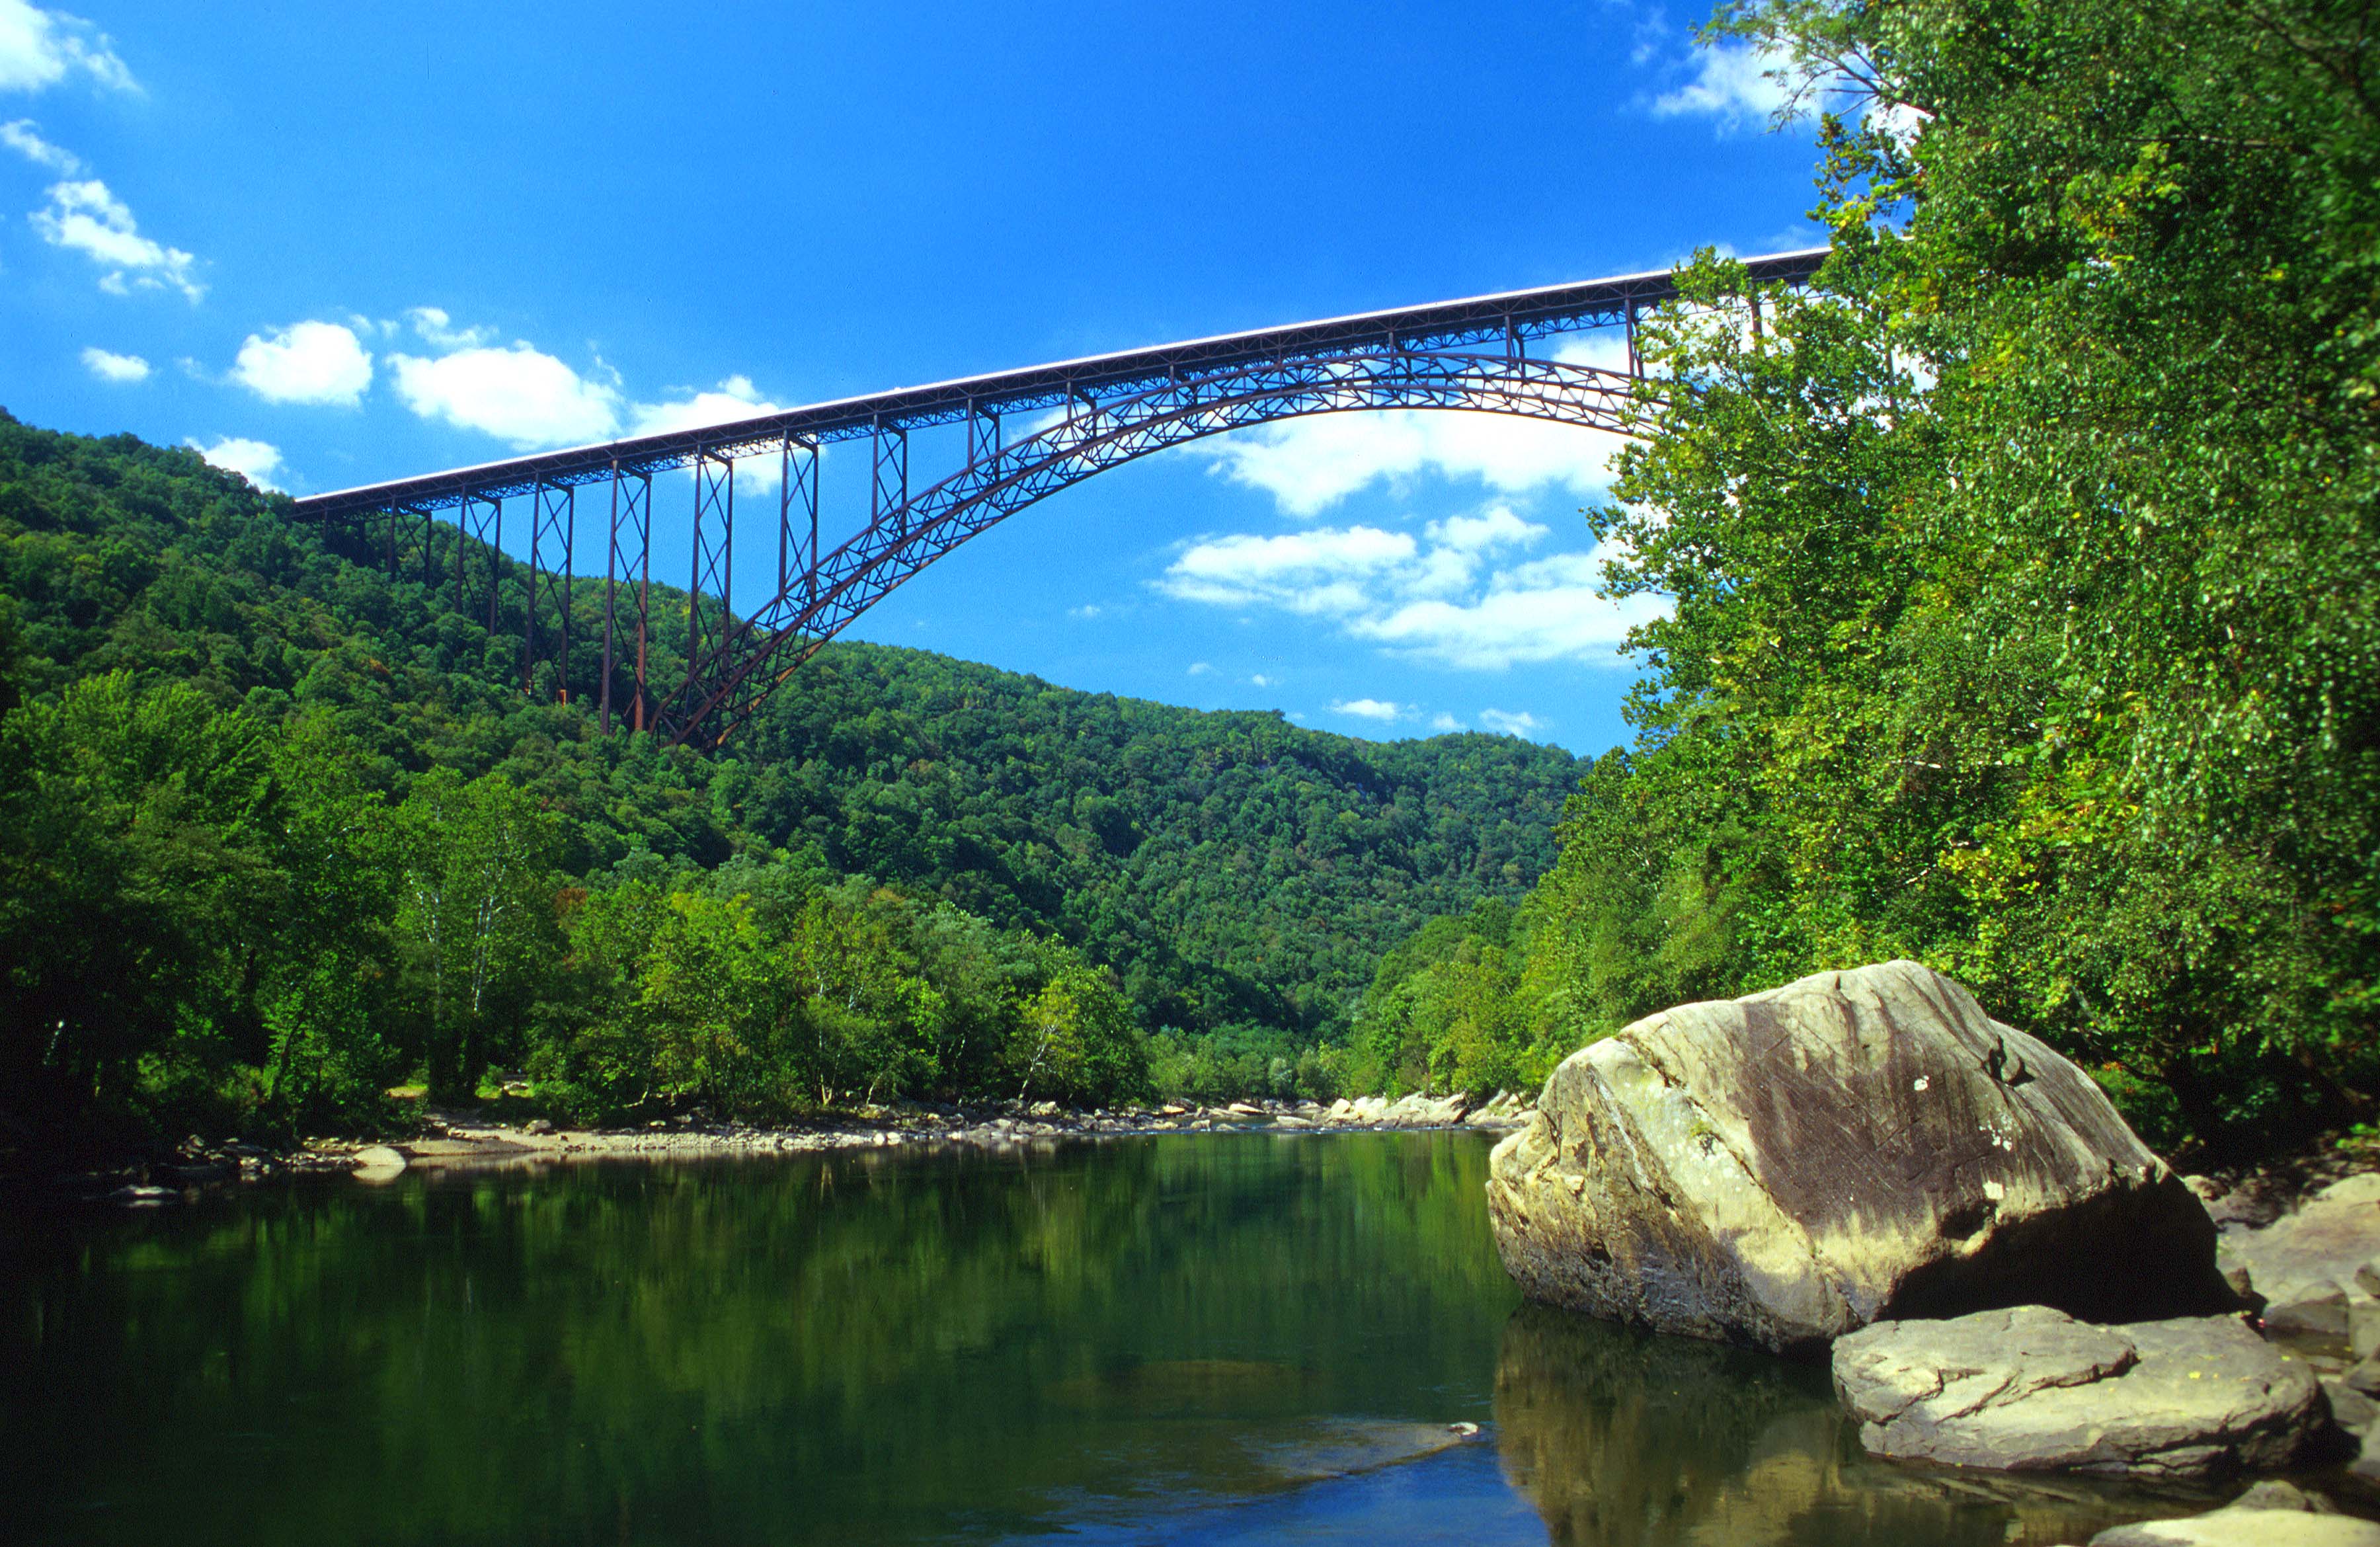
[377,1161]
[1857,1146]
[2269,1514]
[2316,1308]
[2351,1408]
[2306,1262]
[2032,1389]
[2365,1377]
[2366,1464]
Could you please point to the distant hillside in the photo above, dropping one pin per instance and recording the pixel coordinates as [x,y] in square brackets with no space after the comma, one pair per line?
[1241,875]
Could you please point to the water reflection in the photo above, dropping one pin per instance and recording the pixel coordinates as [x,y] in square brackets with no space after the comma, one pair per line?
[864,1347]
[1216,1340]
[1626,1440]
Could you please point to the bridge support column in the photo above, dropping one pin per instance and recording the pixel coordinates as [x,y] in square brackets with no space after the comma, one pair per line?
[714,554]
[889,492]
[797,545]
[632,560]
[482,519]
[983,435]
[554,530]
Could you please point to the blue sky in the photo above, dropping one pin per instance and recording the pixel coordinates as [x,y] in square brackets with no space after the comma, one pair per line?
[334,244]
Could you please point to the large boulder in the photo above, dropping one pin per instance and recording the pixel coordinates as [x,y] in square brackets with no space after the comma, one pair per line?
[1857,1146]
[2032,1389]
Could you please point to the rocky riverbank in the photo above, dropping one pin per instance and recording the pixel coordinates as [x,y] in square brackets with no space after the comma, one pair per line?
[1865,1164]
[461,1138]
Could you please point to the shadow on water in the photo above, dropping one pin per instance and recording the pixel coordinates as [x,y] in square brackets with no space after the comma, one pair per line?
[1626,1439]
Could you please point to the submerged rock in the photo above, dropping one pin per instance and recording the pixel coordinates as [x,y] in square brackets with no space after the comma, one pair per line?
[1857,1146]
[1620,1438]
[2032,1389]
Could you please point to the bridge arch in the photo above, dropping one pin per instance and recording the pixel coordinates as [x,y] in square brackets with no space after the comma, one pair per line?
[1089,415]
[757,653]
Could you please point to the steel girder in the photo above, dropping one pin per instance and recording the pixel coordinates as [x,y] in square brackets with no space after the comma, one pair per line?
[760,651]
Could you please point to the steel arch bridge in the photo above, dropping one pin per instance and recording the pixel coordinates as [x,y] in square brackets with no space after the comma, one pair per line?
[1086,416]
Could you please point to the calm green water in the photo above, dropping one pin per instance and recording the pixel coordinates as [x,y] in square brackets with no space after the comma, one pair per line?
[1175,1339]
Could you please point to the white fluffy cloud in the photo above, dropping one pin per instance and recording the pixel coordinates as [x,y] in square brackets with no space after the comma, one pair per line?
[1382,709]
[24,137]
[84,218]
[1329,569]
[1445,722]
[534,400]
[436,329]
[735,399]
[1510,723]
[109,366]
[519,395]
[1730,84]
[40,48]
[1307,465]
[1463,597]
[254,461]
[305,362]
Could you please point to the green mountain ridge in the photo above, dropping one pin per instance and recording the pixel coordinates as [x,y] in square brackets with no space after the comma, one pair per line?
[1240,876]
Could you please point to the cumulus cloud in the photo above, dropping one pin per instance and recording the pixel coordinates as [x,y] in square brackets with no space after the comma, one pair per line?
[1519,723]
[735,399]
[253,461]
[84,218]
[1260,680]
[1443,722]
[1466,596]
[1731,83]
[1307,465]
[109,366]
[1199,668]
[434,327]
[38,49]
[519,395]
[1325,570]
[1382,709]
[305,362]
[534,400]
[24,137]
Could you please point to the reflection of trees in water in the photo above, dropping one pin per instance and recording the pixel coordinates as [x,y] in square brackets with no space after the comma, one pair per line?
[1627,1439]
[851,1347]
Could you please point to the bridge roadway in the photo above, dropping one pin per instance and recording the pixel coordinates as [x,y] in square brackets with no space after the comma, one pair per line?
[1111,408]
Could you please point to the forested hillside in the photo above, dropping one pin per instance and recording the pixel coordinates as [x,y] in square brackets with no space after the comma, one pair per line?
[2027,578]
[280,829]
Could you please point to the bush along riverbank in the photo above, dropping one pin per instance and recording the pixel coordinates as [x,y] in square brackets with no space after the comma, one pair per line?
[471,1137]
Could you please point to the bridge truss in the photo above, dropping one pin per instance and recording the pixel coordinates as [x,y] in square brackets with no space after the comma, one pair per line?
[1072,419]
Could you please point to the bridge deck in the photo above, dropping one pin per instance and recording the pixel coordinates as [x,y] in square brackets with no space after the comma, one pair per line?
[1514,314]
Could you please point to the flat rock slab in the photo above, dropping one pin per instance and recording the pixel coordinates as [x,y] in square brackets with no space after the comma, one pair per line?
[2269,1514]
[2034,1389]
[1860,1146]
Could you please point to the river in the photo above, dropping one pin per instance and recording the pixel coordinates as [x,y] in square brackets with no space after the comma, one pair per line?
[1212,1338]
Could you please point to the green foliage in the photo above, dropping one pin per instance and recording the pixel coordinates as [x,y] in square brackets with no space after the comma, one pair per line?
[2025,572]
[280,830]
